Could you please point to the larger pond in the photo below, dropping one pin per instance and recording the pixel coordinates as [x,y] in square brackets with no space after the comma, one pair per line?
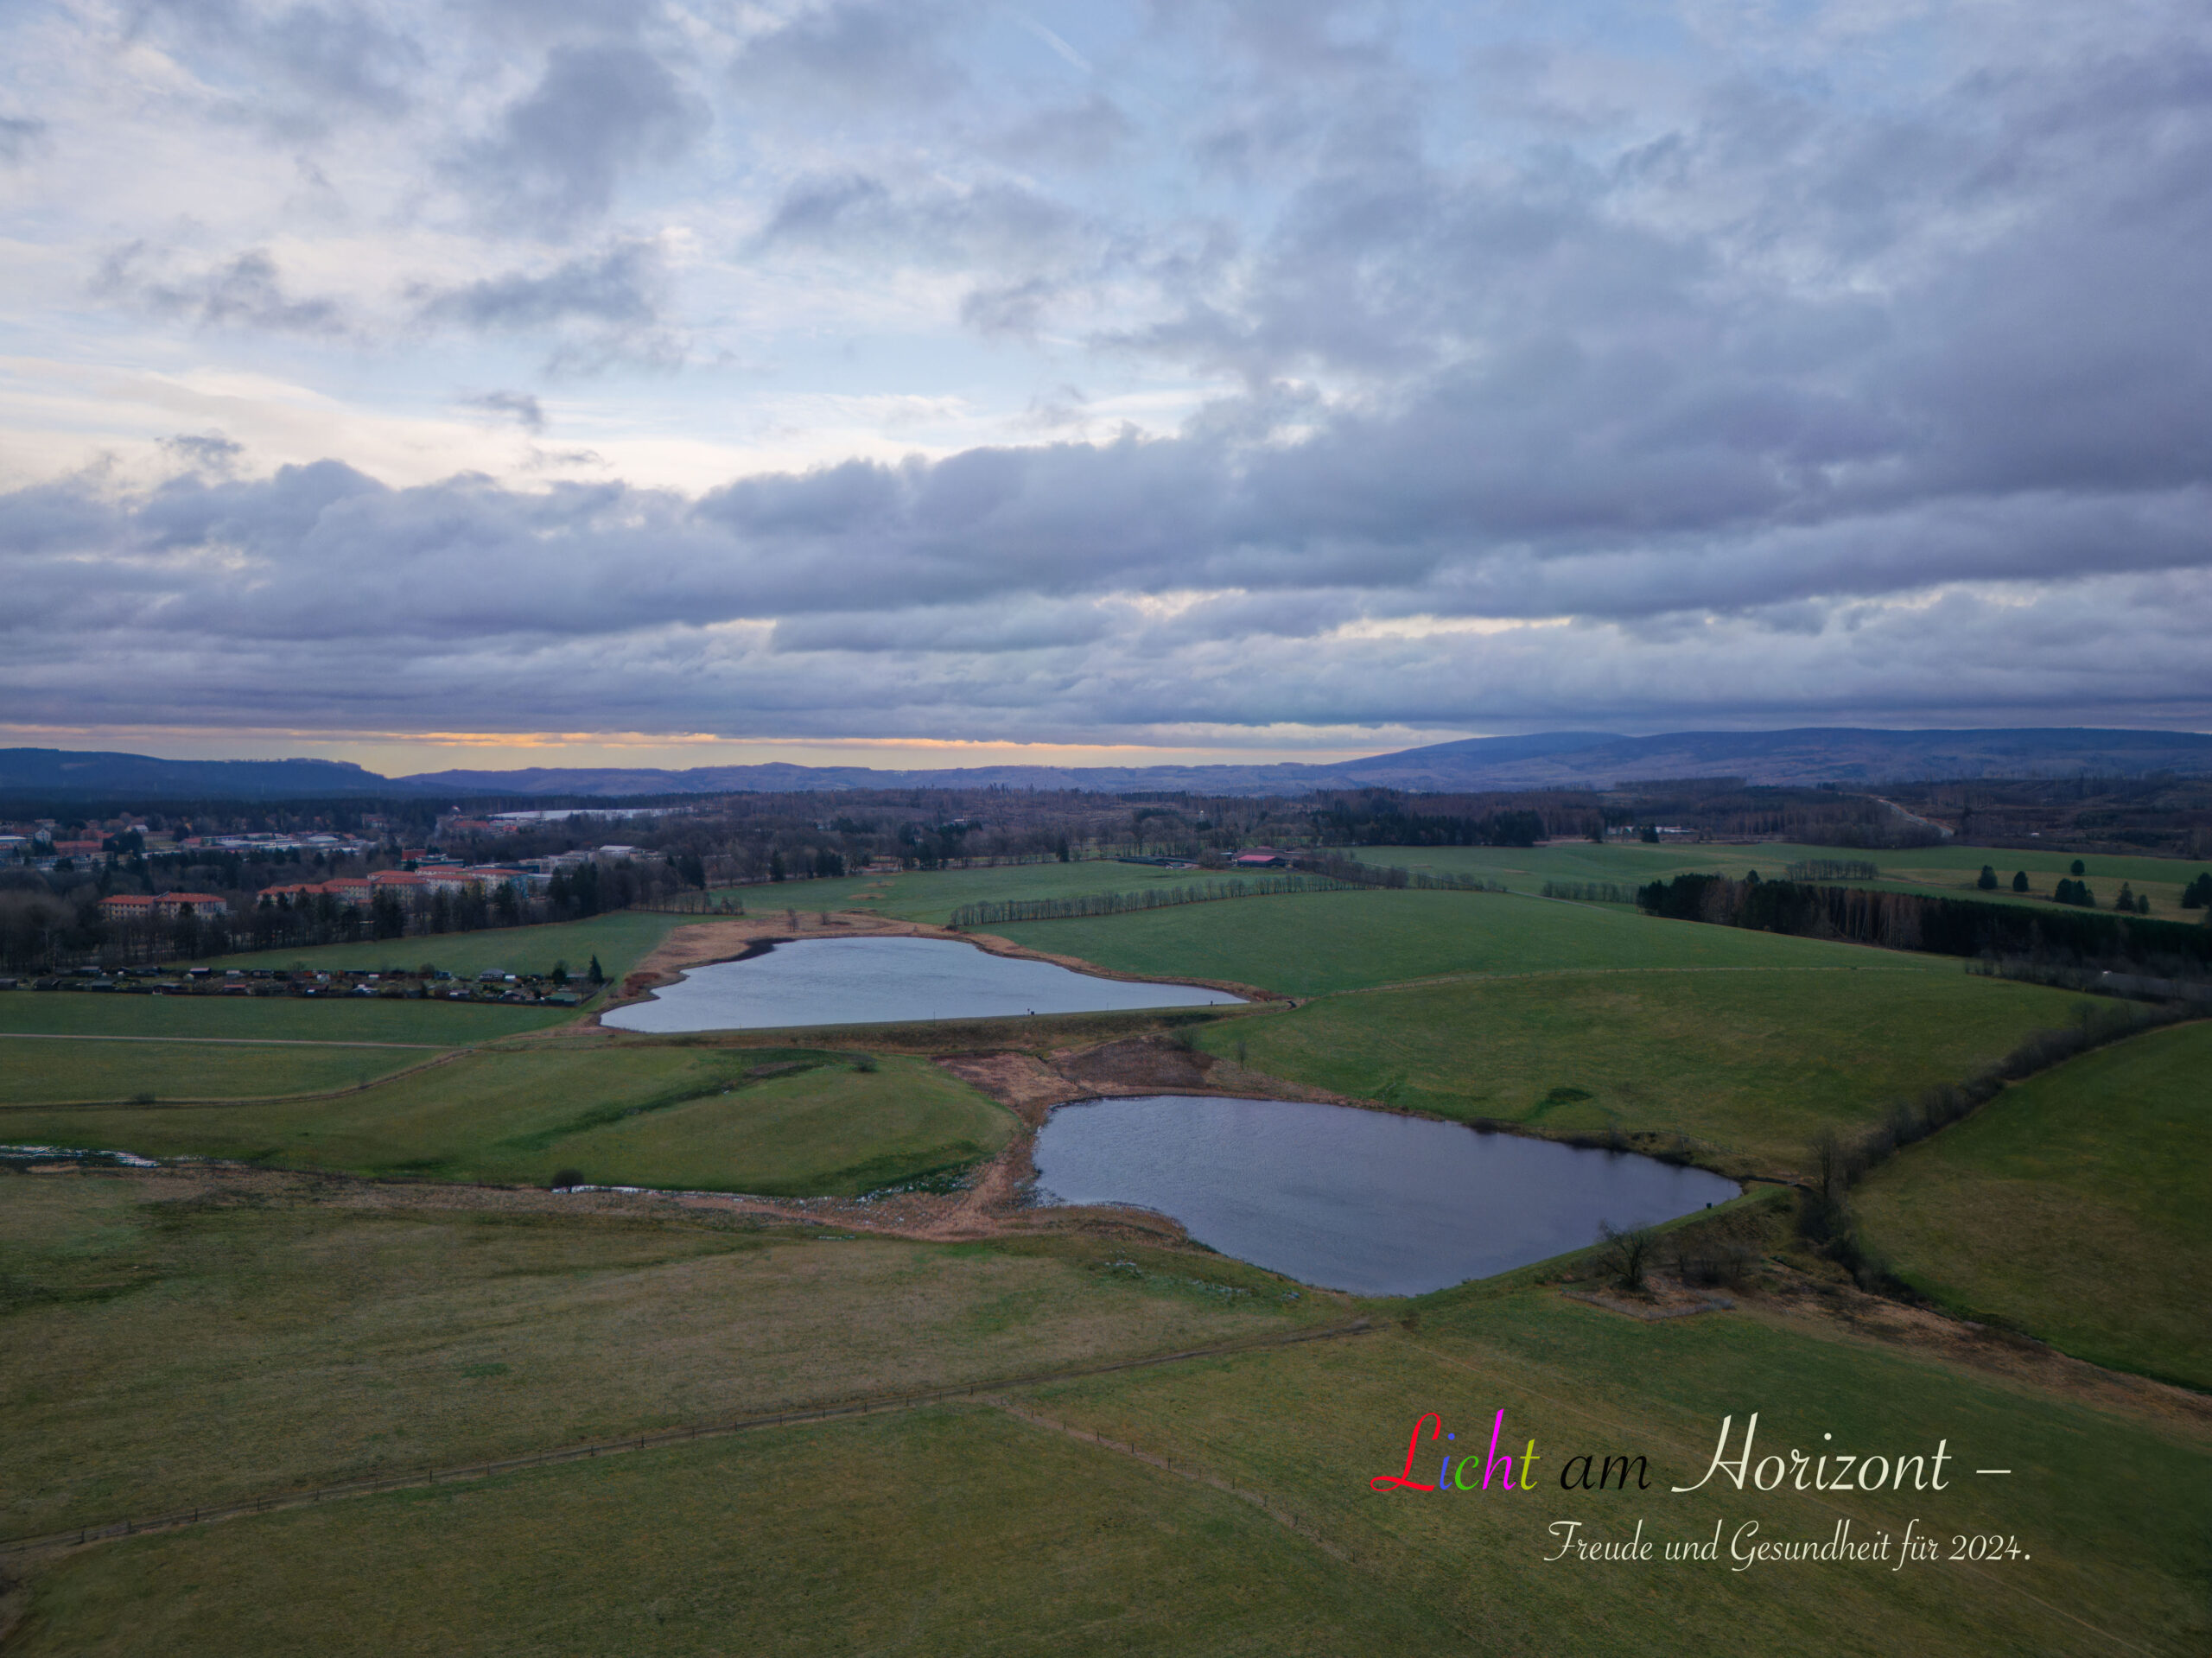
[885,981]
[1348,1199]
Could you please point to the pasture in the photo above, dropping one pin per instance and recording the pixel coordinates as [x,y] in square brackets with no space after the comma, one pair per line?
[193,1338]
[2074,1206]
[297,1343]
[48,1069]
[618,939]
[798,1122]
[276,1019]
[1748,1066]
[1315,944]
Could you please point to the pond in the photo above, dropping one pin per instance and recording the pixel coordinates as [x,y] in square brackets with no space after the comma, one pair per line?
[1365,1201]
[885,981]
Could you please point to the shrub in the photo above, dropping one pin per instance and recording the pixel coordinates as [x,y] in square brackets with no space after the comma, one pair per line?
[1627,1253]
[566,1179]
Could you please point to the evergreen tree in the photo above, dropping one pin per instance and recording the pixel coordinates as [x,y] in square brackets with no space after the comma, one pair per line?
[593,974]
[2019,880]
[1987,883]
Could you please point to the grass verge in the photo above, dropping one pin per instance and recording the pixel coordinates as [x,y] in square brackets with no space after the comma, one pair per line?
[2072,1207]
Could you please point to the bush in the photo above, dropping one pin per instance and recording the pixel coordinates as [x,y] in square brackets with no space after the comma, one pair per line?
[566,1179]
[1626,1253]
[2079,869]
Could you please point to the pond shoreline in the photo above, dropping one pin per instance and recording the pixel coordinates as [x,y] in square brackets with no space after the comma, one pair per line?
[714,944]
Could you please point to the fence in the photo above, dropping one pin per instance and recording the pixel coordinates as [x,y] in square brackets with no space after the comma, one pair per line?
[78,1536]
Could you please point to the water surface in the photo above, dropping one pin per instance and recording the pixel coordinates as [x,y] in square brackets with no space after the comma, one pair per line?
[1350,1199]
[885,981]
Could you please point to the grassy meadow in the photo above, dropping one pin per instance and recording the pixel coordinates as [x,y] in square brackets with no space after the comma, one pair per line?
[185,1339]
[1748,1065]
[798,1122]
[298,1343]
[1314,944]
[618,939]
[48,1070]
[427,1023]
[2076,1206]
[200,1336]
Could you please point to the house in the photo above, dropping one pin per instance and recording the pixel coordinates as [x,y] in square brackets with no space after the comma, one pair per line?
[122,906]
[354,890]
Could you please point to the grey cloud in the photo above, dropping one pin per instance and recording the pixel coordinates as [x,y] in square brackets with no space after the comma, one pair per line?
[619,285]
[990,222]
[600,110]
[1074,136]
[1017,308]
[861,55]
[20,138]
[245,291]
[319,55]
[205,451]
[518,406]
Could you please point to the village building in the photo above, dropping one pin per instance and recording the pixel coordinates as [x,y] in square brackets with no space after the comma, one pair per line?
[165,906]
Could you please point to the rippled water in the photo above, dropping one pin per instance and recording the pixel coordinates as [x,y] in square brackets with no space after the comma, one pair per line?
[885,981]
[1350,1199]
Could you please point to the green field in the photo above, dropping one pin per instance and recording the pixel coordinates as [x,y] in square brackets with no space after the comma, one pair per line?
[2076,1206]
[932,895]
[45,1069]
[618,940]
[176,1340]
[276,1019]
[269,1346]
[1749,1065]
[199,1336]
[1313,944]
[794,1123]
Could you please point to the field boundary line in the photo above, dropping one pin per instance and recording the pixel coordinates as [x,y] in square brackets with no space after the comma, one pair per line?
[215,1041]
[441,1057]
[84,1536]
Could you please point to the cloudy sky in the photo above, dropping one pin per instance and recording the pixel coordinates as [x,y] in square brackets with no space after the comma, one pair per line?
[486,382]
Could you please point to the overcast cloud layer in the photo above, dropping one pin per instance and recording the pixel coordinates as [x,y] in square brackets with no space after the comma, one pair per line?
[1208,373]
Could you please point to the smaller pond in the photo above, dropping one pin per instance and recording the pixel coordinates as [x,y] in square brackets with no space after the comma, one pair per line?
[1355,1200]
[885,981]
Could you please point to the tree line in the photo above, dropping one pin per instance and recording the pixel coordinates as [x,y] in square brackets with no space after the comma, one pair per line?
[1912,921]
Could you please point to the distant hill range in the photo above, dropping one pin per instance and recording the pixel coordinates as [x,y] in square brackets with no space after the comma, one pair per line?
[1572,759]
